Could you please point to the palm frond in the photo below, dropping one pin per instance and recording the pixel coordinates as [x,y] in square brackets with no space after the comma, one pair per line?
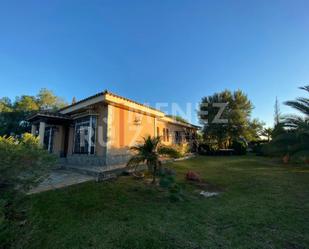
[306,88]
[135,161]
[295,122]
[302,107]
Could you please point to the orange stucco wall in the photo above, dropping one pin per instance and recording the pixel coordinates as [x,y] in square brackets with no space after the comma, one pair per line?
[127,127]
[119,128]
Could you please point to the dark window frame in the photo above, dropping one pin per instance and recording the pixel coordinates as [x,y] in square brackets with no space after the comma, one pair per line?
[88,127]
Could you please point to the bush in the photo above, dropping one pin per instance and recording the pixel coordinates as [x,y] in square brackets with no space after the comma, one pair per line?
[175,193]
[23,162]
[166,181]
[301,157]
[175,151]
[256,146]
[207,149]
[169,150]
[167,177]
[239,147]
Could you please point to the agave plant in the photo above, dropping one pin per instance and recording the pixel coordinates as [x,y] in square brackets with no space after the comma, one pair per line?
[149,152]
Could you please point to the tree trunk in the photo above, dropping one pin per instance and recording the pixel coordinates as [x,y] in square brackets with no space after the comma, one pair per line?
[154,173]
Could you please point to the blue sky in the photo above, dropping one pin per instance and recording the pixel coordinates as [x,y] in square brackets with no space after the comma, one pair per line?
[156,51]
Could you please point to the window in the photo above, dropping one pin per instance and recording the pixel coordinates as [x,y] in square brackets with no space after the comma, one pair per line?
[167,135]
[49,139]
[85,134]
[164,134]
[177,137]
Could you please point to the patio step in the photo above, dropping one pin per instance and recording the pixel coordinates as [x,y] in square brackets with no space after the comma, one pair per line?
[100,172]
[109,171]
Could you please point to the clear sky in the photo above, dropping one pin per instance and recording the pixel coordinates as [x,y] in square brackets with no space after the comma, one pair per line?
[156,51]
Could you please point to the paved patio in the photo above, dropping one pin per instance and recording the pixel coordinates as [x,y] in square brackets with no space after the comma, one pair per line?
[61,178]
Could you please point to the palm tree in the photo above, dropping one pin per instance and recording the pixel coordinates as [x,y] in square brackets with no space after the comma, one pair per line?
[267,132]
[301,104]
[149,153]
[295,138]
[295,122]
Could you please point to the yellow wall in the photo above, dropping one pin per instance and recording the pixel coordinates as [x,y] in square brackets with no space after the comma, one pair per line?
[120,127]
[127,127]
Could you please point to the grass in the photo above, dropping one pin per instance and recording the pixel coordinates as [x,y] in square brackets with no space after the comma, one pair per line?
[264,205]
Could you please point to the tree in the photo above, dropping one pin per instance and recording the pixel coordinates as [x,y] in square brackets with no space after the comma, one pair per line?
[26,103]
[255,130]
[267,132]
[13,123]
[46,100]
[13,115]
[149,153]
[296,122]
[277,114]
[5,105]
[237,113]
[73,100]
[291,135]
[178,118]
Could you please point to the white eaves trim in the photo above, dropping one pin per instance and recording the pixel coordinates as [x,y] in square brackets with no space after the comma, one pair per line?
[83,104]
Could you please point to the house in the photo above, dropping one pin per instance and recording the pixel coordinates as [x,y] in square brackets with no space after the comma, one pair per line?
[99,130]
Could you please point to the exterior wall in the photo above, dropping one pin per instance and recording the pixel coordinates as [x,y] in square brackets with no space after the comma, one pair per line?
[99,157]
[118,128]
[58,142]
[172,128]
[101,138]
[126,128]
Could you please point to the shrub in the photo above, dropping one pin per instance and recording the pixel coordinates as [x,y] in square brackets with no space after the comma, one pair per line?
[167,177]
[169,150]
[175,193]
[175,151]
[300,157]
[23,162]
[207,148]
[239,146]
[166,181]
[167,171]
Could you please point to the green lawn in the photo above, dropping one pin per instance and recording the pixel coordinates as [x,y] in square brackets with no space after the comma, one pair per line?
[264,205]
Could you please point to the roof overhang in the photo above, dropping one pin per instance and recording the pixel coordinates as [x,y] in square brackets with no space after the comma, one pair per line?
[174,121]
[53,118]
[112,99]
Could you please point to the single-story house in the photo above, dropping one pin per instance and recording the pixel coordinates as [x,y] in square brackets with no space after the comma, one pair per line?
[100,129]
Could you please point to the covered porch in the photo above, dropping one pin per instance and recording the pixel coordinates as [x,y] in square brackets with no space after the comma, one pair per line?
[52,130]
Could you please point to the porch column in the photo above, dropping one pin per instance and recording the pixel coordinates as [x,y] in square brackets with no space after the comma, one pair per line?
[41,132]
[33,129]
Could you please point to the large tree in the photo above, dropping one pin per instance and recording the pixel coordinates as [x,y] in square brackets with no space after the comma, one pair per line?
[13,114]
[47,100]
[234,121]
[5,105]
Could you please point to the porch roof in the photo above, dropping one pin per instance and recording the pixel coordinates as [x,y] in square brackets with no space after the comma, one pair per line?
[49,116]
